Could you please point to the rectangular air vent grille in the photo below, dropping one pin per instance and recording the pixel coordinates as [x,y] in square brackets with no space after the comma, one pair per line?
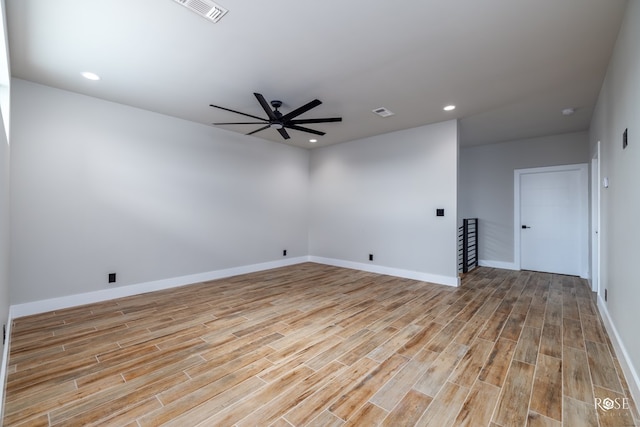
[205,8]
[383,112]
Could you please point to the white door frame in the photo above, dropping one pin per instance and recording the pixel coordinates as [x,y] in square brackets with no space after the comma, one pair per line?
[583,168]
[595,221]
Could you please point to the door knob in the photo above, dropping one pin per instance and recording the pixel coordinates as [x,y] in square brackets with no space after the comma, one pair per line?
[525,226]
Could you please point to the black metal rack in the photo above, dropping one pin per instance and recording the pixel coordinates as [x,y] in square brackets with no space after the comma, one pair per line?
[468,245]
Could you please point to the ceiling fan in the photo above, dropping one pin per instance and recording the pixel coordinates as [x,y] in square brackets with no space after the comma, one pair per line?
[276,120]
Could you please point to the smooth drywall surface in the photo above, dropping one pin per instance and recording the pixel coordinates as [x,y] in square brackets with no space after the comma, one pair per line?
[618,108]
[5,73]
[486,184]
[4,228]
[99,187]
[379,196]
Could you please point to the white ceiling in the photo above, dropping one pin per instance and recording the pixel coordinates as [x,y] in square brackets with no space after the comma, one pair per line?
[510,66]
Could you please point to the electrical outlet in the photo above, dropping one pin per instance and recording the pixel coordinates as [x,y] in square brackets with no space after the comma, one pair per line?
[284,252]
[439,212]
[370,257]
[112,277]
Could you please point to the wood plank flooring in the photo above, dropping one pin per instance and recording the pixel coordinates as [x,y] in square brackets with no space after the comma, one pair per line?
[313,345]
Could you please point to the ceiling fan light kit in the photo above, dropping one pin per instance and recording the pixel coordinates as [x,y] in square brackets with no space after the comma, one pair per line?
[281,122]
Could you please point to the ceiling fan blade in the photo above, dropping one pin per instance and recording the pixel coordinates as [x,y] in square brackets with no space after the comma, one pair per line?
[265,106]
[242,123]
[325,120]
[306,107]
[258,130]
[237,112]
[284,133]
[303,129]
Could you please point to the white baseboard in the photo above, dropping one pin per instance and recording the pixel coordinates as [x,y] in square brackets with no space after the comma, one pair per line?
[511,266]
[43,306]
[36,307]
[629,370]
[379,269]
[498,264]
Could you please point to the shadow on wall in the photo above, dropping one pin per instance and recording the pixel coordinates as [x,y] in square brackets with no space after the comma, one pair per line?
[496,241]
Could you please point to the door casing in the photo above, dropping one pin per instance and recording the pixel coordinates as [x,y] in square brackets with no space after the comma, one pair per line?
[595,221]
[583,169]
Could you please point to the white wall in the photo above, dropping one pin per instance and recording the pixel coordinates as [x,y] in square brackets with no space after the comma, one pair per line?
[379,195]
[4,229]
[5,73]
[4,198]
[4,256]
[486,185]
[618,108]
[99,187]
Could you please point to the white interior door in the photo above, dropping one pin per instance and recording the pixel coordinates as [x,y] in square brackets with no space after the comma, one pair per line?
[595,221]
[552,220]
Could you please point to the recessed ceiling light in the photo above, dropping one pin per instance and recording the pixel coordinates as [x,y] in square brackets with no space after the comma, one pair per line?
[313,141]
[90,76]
[449,108]
[568,111]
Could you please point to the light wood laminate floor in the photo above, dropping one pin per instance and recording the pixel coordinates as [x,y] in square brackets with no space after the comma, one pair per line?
[324,346]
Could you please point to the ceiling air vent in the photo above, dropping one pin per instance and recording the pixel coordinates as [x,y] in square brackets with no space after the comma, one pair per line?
[205,8]
[383,112]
